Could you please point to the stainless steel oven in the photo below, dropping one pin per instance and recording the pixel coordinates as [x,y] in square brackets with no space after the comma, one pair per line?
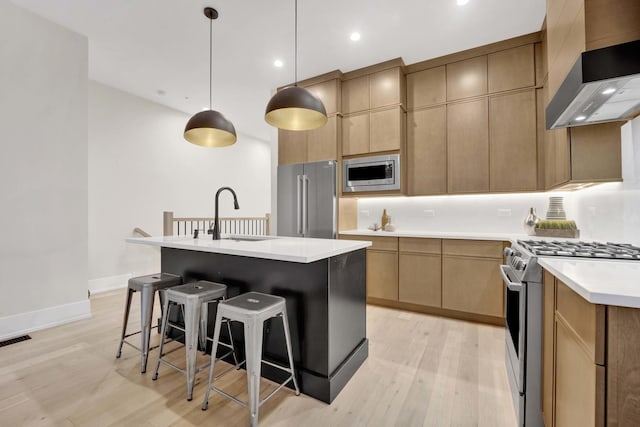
[376,173]
[522,278]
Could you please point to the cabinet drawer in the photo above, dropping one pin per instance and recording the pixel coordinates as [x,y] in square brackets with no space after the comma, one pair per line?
[475,248]
[585,319]
[379,243]
[383,243]
[420,245]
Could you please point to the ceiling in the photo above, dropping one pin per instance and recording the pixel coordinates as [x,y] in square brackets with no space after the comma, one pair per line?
[158,49]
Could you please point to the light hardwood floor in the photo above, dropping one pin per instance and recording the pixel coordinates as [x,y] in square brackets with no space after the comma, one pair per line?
[422,371]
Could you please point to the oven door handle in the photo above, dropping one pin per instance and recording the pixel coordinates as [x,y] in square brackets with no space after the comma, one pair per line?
[512,286]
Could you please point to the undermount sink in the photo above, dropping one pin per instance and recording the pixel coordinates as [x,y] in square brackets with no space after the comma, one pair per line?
[246,238]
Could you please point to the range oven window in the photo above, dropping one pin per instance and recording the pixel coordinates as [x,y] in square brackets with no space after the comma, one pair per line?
[513,318]
[368,173]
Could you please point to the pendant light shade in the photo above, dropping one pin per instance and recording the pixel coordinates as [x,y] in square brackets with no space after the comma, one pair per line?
[294,107]
[210,128]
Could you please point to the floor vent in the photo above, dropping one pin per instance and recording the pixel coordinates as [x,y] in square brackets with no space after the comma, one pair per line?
[14,340]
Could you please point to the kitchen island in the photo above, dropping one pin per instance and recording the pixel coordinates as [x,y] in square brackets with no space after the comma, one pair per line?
[323,281]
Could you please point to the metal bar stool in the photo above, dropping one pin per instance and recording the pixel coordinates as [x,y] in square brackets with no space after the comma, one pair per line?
[252,309]
[147,286]
[194,298]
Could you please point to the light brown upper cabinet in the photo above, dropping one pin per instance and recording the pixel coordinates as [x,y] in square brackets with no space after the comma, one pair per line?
[466,79]
[317,144]
[310,146]
[468,147]
[387,88]
[355,133]
[355,94]
[374,131]
[512,126]
[511,69]
[583,155]
[292,146]
[322,142]
[376,90]
[426,88]
[329,94]
[427,151]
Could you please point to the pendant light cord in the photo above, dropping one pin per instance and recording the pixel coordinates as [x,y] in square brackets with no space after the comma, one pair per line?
[210,63]
[295,62]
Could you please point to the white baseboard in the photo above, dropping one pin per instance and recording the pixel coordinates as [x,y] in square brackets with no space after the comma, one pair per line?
[104,284]
[23,323]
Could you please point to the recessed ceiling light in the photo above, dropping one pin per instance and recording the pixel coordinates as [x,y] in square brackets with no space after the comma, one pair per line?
[609,90]
[580,118]
[462,2]
[355,36]
[278,63]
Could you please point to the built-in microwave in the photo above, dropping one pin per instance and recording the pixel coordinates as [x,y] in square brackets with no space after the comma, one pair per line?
[377,173]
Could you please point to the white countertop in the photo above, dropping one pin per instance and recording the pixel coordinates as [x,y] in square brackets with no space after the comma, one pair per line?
[598,281]
[438,234]
[293,249]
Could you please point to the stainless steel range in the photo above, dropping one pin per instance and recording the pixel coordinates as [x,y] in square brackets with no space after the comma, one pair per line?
[582,249]
[523,311]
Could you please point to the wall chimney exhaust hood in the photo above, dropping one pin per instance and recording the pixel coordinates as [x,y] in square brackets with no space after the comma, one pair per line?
[602,86]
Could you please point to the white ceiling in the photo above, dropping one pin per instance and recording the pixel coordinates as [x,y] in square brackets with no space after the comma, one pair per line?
[149,47]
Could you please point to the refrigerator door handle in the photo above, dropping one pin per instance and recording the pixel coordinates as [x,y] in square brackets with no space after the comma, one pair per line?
[298,204]
[305,203]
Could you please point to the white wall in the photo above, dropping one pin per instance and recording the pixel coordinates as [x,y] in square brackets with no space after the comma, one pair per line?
[140,165]
[606,212]
[43,172]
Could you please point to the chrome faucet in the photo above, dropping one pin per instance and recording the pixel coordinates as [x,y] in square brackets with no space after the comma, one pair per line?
[216,219]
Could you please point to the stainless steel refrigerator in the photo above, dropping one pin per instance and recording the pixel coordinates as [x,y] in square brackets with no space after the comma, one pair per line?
[307,204]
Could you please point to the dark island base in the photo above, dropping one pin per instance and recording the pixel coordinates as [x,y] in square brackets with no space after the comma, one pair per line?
[326,306]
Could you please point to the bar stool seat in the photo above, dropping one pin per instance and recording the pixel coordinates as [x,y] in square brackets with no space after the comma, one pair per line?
[252,309]
[147,286]
[195,299]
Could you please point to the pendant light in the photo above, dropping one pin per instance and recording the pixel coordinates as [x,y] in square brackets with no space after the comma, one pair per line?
[294,107]
[210,128]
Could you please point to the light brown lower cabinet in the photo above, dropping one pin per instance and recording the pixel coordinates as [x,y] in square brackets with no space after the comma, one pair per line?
[420,272]
[471,280]
[472,285]
[591,360]
[382,274]
[450,277]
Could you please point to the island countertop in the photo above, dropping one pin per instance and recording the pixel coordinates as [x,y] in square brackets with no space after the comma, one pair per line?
[292,249]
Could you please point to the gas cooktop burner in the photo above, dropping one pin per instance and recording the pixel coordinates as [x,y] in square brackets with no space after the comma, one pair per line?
[582,249]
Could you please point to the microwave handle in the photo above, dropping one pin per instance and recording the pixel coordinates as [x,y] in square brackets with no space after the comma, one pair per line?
[299,204]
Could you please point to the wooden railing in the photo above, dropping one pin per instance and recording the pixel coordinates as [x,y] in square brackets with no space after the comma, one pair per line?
[253,226]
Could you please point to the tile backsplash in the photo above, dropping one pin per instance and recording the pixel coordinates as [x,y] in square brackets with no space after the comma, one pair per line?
[606,212]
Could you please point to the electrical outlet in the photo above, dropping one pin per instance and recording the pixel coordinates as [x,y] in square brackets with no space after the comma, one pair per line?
[429,212]
[504,212]
[364,213]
